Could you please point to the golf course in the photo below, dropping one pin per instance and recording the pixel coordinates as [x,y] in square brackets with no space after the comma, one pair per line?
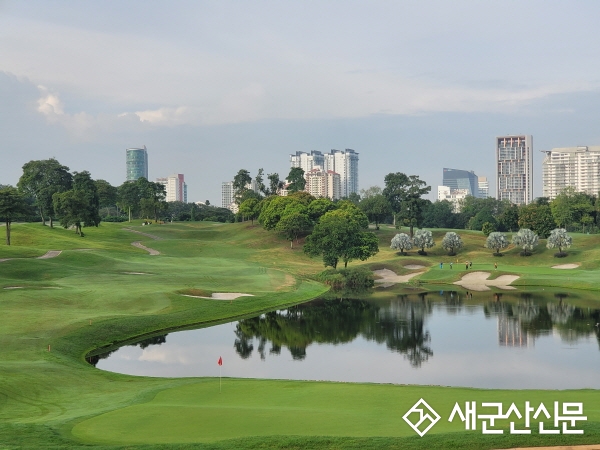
[123,282]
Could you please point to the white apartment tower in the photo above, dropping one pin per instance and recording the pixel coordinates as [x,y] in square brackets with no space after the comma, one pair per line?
[343,162]
[514,169]
[227,194]
[484,187]
[577,167]
[175,187]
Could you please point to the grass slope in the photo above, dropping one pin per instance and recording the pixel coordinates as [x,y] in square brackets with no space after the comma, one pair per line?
[85,299]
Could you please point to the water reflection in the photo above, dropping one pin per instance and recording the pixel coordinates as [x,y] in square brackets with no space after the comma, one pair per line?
[508,341]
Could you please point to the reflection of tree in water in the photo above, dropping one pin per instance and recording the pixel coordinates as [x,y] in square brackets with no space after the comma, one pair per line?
[400,327]
[154,340]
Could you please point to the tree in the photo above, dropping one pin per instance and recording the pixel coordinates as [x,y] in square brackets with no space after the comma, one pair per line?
[496,241]
[107,194]
[370,192]
[80,205]
[559,238]
[439,214]
[537,218]
[401,242]
[452,243]
[404,195]
[260,185]
[273,209]
[275,184]
[240,184]
[41,180]
[488,228]
[376,207]
[340,235]
[318,207]
[249,209]
[423,239]
[128,197]
[12,206]
[527,240]
[296,179]
[152,198]
[293,224]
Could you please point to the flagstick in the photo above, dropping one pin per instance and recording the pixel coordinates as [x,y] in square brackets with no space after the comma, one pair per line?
[219,379]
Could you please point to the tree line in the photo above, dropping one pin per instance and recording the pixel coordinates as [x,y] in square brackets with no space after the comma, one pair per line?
[47,190]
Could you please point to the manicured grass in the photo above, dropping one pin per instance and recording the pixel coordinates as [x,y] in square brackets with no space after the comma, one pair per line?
[85,299]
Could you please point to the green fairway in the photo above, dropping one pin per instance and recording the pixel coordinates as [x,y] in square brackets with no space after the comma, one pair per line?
[102,290]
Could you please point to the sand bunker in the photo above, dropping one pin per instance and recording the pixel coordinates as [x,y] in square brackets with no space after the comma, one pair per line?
[50,254]
[566,266]
[221,296]
[478,281]
[13,287]
[136,273]
[152,252]
[414,266]
[389,278]
[5,259]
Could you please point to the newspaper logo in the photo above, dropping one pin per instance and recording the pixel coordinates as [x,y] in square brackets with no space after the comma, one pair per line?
[425,413]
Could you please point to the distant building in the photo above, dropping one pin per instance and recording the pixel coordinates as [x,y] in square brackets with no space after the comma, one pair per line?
[175,187]
[576,167]
[514,169]
[343,162]
[136,160]
[454,196]
[227,195]
[461,179]
[326,184]
[484,187]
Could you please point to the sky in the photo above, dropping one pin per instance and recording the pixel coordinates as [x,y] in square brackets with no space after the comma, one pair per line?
[212,87]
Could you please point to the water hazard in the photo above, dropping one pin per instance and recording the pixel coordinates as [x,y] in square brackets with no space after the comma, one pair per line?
[446,338]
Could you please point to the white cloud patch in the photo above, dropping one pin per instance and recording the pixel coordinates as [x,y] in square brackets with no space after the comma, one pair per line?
[49,104]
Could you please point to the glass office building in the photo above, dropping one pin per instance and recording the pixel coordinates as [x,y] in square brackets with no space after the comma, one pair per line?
[137,163]
[461,179]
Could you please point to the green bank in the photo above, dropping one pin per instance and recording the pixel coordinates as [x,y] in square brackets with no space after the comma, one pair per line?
[101,290]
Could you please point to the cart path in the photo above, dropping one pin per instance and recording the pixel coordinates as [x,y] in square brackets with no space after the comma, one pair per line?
[152,252]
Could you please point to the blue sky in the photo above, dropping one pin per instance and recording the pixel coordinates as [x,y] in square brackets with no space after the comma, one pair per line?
[213,87]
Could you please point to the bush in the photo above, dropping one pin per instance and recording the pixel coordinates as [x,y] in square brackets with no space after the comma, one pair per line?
[354,278]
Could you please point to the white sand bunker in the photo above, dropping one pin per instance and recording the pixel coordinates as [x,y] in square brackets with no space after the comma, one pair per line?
[136,273]
[566,266]
[13,287]
[478,281]
[389,278]
[152,252]
[4,259]
[50,254]
[414,266]
[221,296]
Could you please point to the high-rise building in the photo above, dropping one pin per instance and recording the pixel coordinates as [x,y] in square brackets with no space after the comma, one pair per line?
[343,162]
[175,187]
[227,194]
[326,184]
[576,167]
[514,169]
[137,163]
[484,187]
[461,179]
[454,196]
[307,161]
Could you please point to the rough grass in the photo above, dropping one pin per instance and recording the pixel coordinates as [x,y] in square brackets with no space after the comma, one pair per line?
[84,300]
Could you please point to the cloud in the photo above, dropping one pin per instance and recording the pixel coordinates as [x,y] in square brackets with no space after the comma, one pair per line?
[49,104]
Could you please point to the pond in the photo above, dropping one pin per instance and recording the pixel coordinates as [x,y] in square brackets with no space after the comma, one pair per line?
[511,341]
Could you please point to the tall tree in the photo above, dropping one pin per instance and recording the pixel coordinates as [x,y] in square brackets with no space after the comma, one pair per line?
[249,209]
[537,218]
[107,194]
[404,195]
[240,184]
[260,184]
[294,223]
[376,207]
[296,179]
[80,205]
[12,206]
[341,235]
[128,197]
[41,179]
[152,198]
[275,184]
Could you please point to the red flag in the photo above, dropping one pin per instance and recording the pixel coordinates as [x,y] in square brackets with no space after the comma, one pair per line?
[220,362]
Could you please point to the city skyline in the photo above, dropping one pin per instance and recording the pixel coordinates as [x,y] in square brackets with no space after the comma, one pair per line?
[211,92]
